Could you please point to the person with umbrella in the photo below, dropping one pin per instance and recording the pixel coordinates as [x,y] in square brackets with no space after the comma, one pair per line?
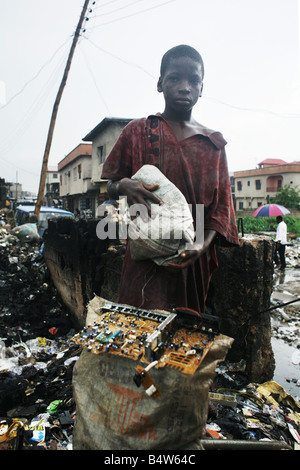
[272,210]
[281,240]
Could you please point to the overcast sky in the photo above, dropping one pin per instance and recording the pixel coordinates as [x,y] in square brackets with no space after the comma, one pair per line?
[251,87]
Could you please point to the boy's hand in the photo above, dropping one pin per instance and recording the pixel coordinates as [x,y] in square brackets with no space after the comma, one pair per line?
[138,193]
[190,256]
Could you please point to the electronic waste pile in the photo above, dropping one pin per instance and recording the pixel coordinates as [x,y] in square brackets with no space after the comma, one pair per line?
[179,339]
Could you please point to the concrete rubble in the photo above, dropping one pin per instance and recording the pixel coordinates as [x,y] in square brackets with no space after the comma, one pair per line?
[37,410]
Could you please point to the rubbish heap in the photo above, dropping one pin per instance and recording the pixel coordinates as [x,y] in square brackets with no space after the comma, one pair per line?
[37,357]
[293,253]
[249,412]
[36,360]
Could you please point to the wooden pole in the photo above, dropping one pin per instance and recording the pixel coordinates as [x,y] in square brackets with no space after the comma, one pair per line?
[55,110]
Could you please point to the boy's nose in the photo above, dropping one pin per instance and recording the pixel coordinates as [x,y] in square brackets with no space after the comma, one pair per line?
[185,86]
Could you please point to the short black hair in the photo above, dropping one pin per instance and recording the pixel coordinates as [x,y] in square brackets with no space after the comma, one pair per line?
[279,218]
[180,51]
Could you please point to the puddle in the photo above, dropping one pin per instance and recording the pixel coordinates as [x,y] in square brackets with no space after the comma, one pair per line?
[287,368]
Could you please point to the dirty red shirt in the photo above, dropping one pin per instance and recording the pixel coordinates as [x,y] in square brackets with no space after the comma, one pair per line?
[198,167]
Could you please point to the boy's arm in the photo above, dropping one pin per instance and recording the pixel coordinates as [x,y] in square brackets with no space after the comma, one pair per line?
[135,191]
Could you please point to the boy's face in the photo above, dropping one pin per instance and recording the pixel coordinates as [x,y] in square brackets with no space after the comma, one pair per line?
[181,84]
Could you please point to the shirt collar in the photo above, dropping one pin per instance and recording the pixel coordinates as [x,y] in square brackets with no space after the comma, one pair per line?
[214,136]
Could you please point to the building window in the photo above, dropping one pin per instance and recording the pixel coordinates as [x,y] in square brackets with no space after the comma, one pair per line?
[75,174]
[258,184]
[248,183]
[55,175]
[101,153]
[279,185]
[239,186]
[79,171]
[241,205]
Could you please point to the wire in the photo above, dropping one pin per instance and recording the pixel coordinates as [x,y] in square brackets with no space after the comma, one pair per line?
[253,110]
[118,9]
[134,14]
[35,76]
[33,110]
[104,4]
[131,64]
[14,137]
[95,81]
[186,309]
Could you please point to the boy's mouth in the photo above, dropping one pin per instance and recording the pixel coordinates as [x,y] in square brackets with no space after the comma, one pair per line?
[183,100]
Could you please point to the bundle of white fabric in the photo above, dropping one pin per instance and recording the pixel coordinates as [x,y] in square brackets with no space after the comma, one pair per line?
[163,237]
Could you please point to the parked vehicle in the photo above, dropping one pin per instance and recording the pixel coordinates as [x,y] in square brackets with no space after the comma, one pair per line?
[23,212]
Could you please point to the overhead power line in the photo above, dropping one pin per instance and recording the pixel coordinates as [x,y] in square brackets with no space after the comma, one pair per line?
[119,8]
[254,110]
[133,14]
[11,139]
[35,76]
[131,64]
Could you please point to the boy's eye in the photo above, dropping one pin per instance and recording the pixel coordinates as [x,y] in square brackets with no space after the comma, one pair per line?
[195,80]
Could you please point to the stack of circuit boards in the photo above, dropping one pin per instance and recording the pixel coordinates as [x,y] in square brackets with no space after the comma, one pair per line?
[179,339]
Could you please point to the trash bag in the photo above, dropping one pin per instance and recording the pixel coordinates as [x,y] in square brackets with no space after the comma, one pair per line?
[113,413]
[26,233]
[165,236]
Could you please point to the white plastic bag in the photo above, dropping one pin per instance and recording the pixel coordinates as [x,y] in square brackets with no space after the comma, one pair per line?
[165,236]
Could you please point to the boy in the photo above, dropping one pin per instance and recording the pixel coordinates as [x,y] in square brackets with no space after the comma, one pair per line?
[193,158]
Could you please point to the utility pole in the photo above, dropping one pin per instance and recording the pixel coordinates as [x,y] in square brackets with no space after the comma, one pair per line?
[55,110]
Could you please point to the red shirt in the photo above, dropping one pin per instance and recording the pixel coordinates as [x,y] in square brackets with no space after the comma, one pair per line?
[198,167]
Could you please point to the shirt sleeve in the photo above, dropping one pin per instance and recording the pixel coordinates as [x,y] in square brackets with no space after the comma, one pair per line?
[221,214]
[118,164]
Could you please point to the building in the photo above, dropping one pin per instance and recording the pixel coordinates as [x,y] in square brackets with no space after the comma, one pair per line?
[77,191]
[103,138]
[51,197]
[253,188]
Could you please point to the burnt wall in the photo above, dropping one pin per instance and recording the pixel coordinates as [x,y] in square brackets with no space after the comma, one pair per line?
[81,265]
[240,295]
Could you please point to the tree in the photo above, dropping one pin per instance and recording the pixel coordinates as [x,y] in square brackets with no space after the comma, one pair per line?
[288,197]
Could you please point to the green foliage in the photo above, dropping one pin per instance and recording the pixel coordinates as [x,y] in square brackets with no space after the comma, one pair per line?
[263,224]
[288,197]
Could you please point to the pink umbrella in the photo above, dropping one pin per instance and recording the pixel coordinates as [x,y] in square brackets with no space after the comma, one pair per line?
[270,210]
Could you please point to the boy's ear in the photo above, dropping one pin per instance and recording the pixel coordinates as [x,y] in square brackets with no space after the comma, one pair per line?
[159,87]
[201,89]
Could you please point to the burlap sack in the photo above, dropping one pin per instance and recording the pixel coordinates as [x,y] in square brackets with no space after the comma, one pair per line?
[112,413]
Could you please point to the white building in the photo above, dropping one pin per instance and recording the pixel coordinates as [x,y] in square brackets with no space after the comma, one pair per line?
[253,188]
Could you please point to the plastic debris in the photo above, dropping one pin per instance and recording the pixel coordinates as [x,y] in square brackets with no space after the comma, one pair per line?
[36,358]
[37,409]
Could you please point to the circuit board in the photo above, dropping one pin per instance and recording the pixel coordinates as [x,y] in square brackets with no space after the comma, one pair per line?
[141,338]
[186,351]
[118,334]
